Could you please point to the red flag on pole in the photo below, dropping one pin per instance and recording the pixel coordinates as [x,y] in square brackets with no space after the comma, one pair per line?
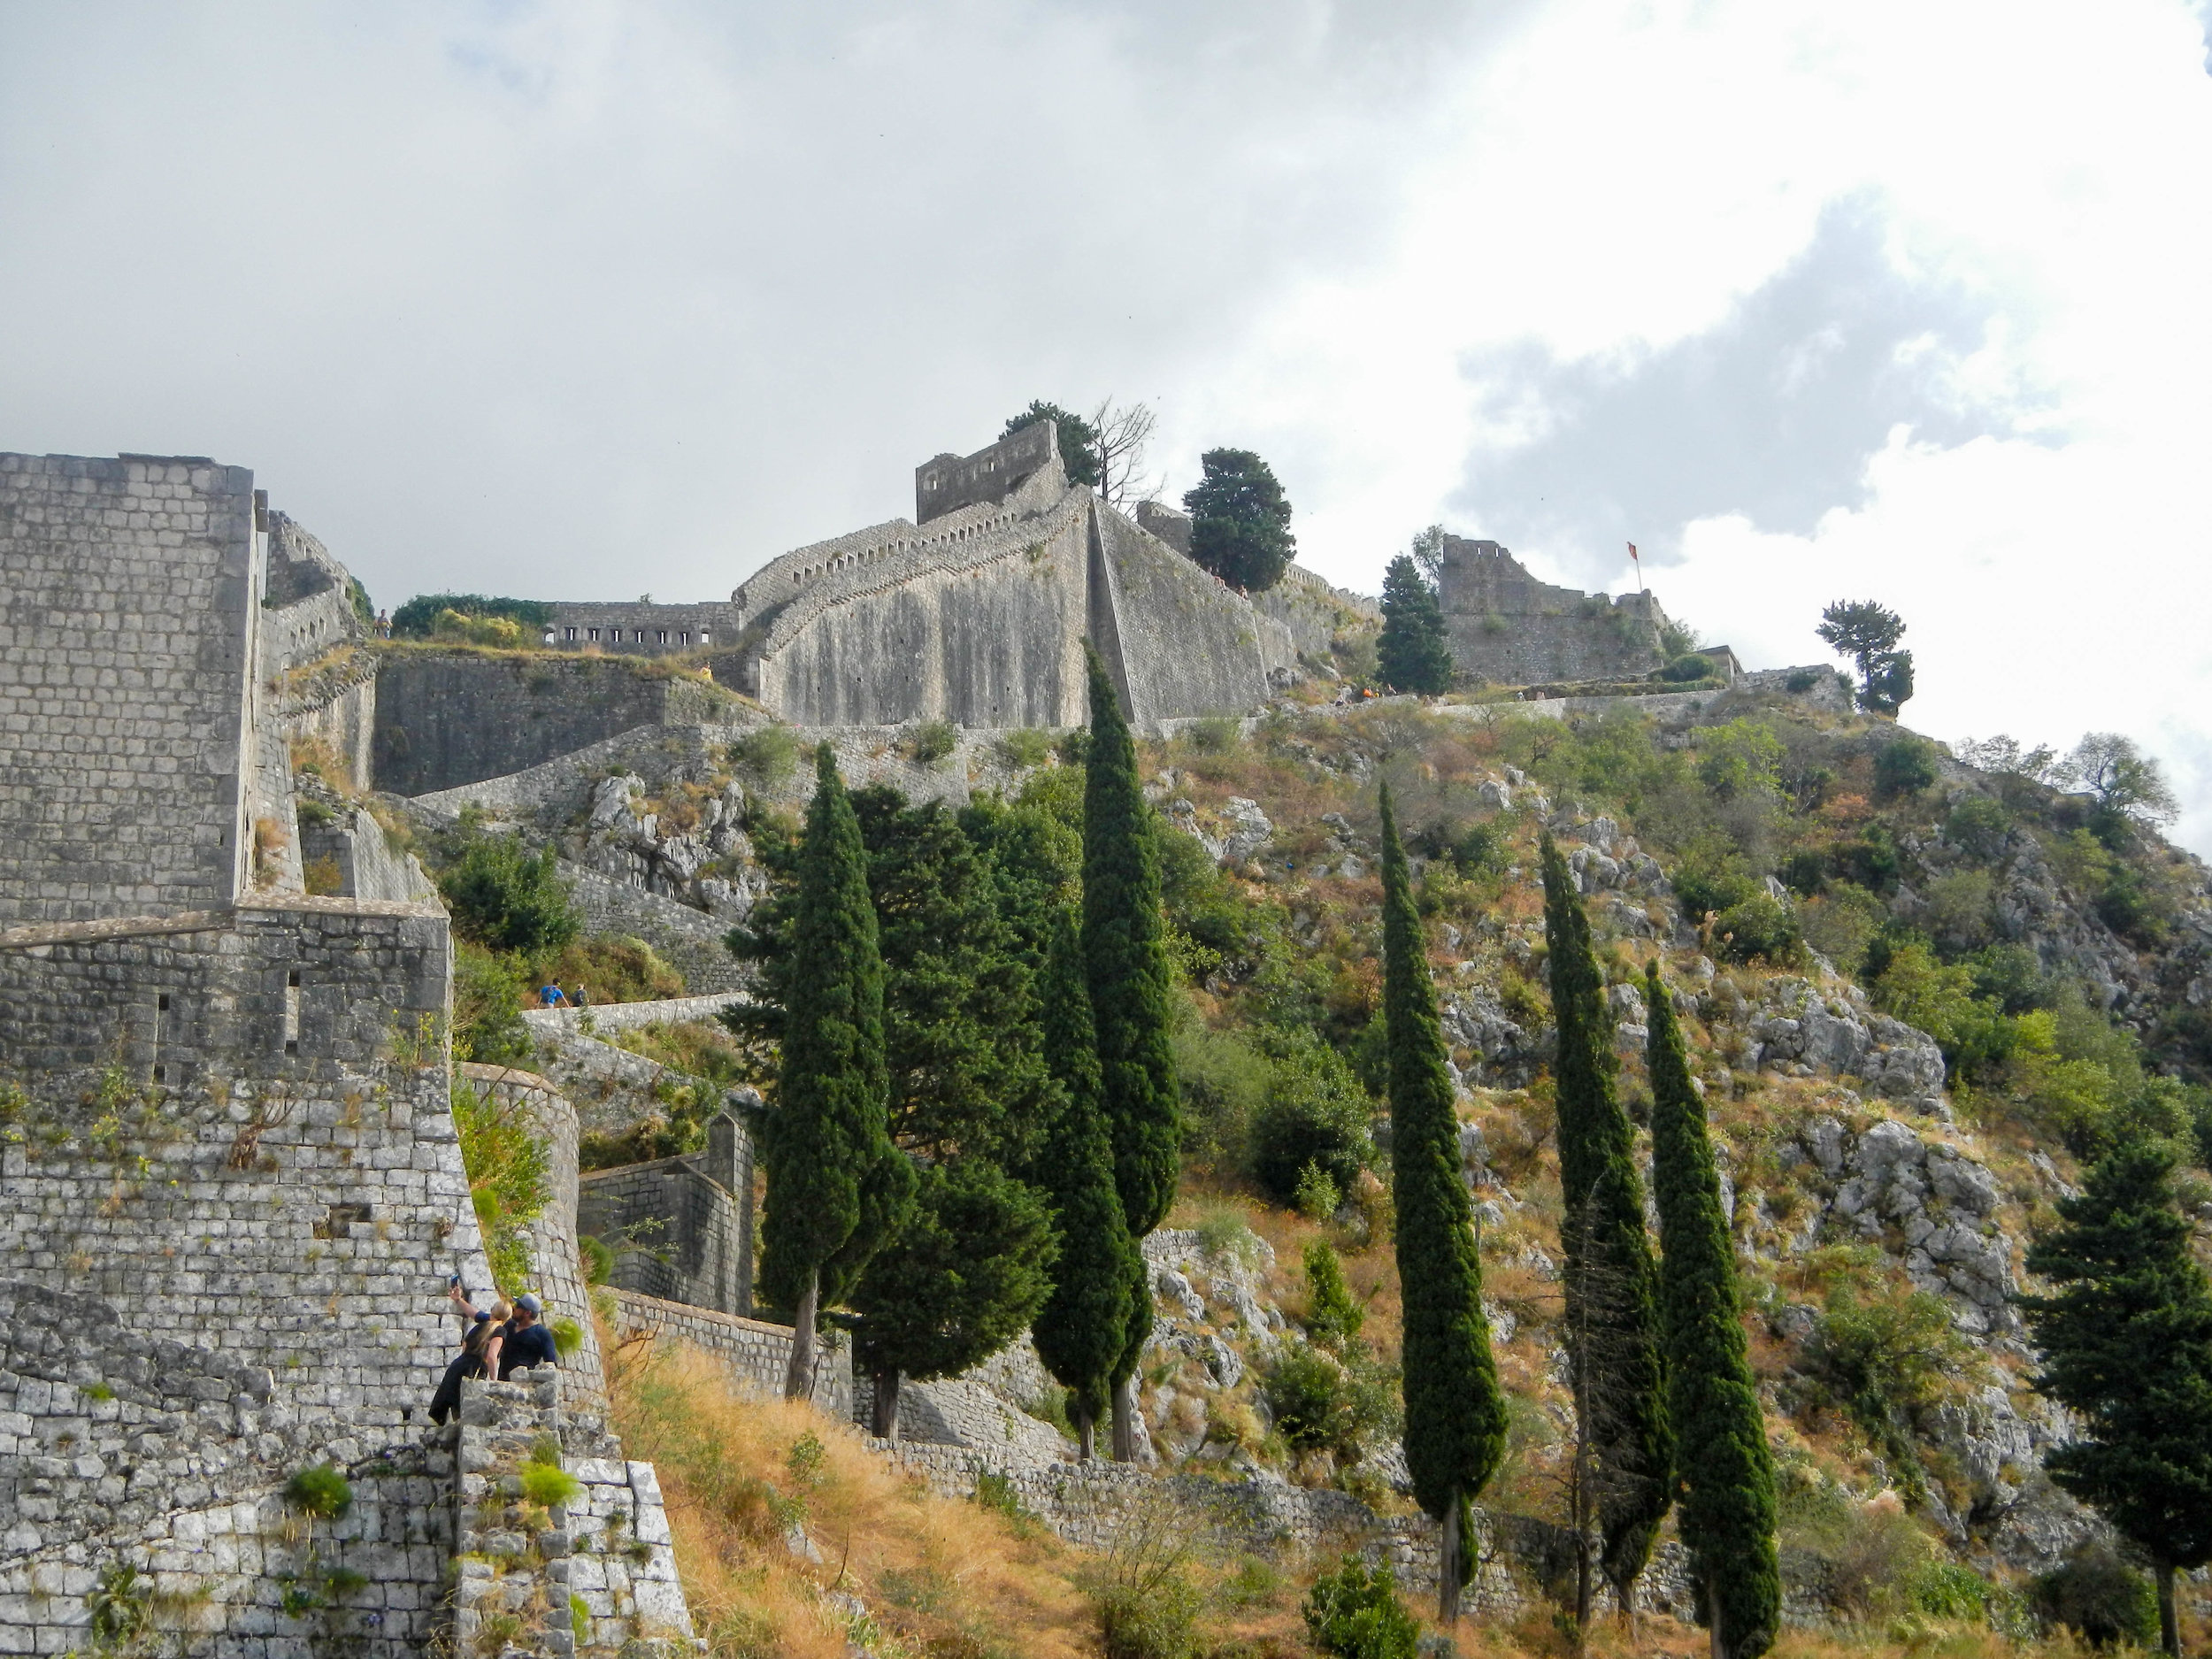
[1631,552]
[1639,564]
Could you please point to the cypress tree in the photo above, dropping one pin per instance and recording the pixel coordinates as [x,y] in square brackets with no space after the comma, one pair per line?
[1723,1480]
[1085,1322]
[1126,964]
[1415,651]
[2127,1343]
[1611,1285]
[837,1188]
[1454,1413]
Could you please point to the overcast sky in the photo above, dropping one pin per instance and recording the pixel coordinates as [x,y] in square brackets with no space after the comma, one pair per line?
[1910,302]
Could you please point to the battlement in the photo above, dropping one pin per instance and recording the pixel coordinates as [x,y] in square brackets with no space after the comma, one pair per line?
[949,482]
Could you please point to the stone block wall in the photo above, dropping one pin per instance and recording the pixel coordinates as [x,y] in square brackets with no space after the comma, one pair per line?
[754,1354]
[333,700]
[447,718]
[241,1132]
[688,941]
[1510,629]
[1177,641]
[949,482]
[127,591]
[681,1228]
[1316,613]
[643,629]
[118,1449]
[368,866]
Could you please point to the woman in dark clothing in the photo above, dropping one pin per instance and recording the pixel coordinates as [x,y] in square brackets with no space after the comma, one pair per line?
[479,1356]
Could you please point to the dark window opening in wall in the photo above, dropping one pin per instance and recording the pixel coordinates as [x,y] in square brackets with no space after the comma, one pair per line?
[162,1001]
[292,1012]
[594,632]
[572,634]
[684,637]
[161,1073]
[641,637]
[660,636]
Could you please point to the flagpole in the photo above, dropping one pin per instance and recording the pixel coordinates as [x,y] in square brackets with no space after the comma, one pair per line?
[1634,559]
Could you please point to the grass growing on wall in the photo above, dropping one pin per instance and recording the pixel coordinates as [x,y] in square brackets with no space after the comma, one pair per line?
[507,1179]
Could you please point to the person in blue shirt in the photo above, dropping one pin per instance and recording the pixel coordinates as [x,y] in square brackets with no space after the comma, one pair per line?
[528,1342]
[549,996]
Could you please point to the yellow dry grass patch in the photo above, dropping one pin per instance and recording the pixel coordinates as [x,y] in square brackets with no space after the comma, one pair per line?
[943,1577]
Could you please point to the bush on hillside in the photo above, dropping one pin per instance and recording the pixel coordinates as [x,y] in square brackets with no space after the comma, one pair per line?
[1314,1115]
[505,898]
[1904,766]
[1689,666]
[2101,1597]
[1761,928]
[1355,1613]
[418,616]
[488,1025]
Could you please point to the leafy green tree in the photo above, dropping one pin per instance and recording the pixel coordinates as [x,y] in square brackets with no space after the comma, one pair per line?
[1125,966]
[1240,520]
[1078,439]
[504,897]
[962,1279]
[1415,652]
[1867,634]
[1354,1613]
[837,1187]
[2127,1344]
[2127,783]
[1611,1285]
[1723,1473]
[1083,1324]
[1904,766]
[1456,1417]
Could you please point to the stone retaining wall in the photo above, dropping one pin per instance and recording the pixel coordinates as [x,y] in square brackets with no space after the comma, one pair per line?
[754,1354]
[681,1228]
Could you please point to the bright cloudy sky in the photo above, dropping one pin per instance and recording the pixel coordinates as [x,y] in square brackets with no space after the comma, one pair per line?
[1910,300]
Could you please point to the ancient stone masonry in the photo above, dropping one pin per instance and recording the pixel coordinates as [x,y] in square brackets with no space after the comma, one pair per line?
[754,1354]
[127,592]
[1509,628]
[681,1228]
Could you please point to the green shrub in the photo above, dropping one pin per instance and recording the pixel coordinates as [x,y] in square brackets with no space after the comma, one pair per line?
[419,618]
[505,898]
[1320,1403]
[1689,666]
[1742,757]
[1841,922]
[1759,928]
[1903,767]
[1886,1359]
[1947,1589]
[768,754]
[1332,1314]
[320,1490]
[506,1168]
[1314,1115]
[1980,825]
[596,1257]
[1217,734]
[550,1484]
[2100,1598]
[568,1336]
[931,741]
[1803,680]
[1018,751]
[488,1025]
[1318,1196]
[1355,1613]
[1157,1623]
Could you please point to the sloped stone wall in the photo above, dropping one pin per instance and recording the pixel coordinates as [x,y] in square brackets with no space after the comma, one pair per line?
[1178,642]
[754,1352]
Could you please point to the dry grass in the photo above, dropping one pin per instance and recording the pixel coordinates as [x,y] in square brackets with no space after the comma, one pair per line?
[944,1576]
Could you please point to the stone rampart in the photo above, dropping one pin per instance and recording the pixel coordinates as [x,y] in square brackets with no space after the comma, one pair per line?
[641,628]
[356,846]
[127,594]
[754,1354]
[1509,629]
[1176,640]
[243,1132]
[673,1010]
[949,482]
[688,941]
[681,1228]
[1316,613]
[332,701]
[447,718]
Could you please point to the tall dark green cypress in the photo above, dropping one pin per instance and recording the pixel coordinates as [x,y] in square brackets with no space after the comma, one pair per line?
[837,1188]
[1611,1284]
[2127,1343]
[1415,650]
[1454,1413]
[1084,1325]
[1723,1479]
[1125,963]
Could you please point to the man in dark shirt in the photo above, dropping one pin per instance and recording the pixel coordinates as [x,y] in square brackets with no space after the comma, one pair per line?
[528,1342]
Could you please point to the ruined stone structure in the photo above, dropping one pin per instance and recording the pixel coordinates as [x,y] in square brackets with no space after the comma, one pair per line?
[1509,628]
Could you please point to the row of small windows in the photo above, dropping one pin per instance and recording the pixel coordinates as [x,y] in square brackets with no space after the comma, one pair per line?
[613,636]
[966,532]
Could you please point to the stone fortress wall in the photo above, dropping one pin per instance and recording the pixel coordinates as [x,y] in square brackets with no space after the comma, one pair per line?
[1510,629]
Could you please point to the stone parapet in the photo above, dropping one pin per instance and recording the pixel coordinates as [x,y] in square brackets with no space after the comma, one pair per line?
[754,1354]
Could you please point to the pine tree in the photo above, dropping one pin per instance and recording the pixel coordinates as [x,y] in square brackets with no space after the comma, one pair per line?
[1083,1324]
[1126,964]
[1611,1285]
[1415,651]
[837,1188]
[1454,1413]
[959,1281]
[1723,1482]
[1240,520]
[2127,1343]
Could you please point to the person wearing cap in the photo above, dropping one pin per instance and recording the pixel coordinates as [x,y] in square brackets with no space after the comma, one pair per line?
[528,1342]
